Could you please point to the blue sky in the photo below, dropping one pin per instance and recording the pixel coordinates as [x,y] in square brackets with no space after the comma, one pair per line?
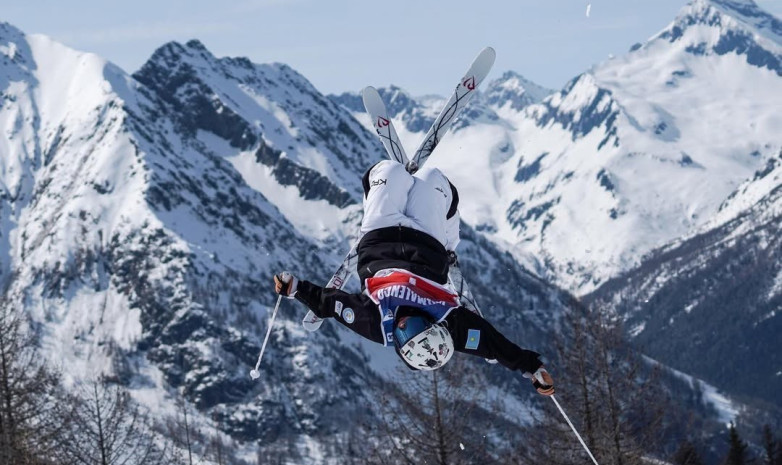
[340,45]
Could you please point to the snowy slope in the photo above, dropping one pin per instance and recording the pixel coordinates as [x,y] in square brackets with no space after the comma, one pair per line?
[127,240]
[141,217]
[644,148]
[514,91]
[139,251]
[674,145]
[634,153]
[716,292]
[655,145]
[287,140]
[716,296]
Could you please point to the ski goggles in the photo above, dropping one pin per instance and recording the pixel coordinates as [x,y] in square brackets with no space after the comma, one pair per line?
[407,328]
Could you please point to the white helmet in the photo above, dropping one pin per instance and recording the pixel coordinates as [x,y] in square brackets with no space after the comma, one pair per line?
[421,343]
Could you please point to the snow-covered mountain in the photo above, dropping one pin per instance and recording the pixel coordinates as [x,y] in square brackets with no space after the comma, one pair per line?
[413,116]
[514,91]
[710,304]
[708,301]
[634,153]
[142,217]
[644,148]
[674,145]
[136,247]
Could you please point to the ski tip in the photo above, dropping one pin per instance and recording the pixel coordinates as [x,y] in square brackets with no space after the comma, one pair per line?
[481,65]
[373,103]
[487,56]
[371,98]
[368,90]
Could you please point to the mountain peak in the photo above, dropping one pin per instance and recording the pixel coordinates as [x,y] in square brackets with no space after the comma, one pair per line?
[174,51]
[514,90]
[9,33]
[748,12]
[7,27]
[397,100]
[196,45]
[10,40]
[720,27]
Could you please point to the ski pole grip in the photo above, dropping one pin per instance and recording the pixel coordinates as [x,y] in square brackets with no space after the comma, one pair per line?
[537,385]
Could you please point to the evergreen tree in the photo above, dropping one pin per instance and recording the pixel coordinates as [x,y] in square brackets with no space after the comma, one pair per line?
[686,454]
[737,453]
[773,453]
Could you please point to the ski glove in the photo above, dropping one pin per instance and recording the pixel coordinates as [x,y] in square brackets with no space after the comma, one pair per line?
[285,284]
[543,382]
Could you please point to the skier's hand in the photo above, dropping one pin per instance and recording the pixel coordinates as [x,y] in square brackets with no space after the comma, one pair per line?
[285,284]
[543,382]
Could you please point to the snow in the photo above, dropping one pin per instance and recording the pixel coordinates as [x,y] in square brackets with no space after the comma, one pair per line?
[257,94]
[776,288]
[588,232]
[317,219]
[9,50]
[674,143]
[690,306]
[741,13]
[727,410]
[637,329]
[678,152]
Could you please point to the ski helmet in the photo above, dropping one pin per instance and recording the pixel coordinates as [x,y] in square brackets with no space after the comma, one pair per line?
[421,342]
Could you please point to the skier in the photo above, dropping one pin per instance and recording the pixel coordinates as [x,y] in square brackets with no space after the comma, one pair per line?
[410,224]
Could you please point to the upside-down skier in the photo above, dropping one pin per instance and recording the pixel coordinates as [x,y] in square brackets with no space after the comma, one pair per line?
[408,234]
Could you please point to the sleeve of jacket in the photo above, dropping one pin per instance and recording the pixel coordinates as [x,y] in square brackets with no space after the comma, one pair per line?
[356,312]
[473,335]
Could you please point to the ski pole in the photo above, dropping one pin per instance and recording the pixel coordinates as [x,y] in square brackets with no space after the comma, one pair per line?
[573,428]
[255,374]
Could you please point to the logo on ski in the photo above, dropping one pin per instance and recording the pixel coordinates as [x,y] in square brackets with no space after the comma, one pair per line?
[469,83]
[382,122]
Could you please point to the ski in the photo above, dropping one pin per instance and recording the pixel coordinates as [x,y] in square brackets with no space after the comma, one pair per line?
[381,121]
[461,96]
[459,285]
